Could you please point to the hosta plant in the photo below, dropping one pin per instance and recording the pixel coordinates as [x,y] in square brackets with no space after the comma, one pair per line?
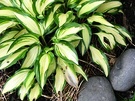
[43,36]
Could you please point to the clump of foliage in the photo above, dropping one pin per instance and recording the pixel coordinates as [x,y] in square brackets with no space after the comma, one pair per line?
[43,36]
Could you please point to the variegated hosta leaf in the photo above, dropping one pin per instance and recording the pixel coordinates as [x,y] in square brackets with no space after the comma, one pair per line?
[41,5]
[27,5]
[114,32]
[8,35]
[106,36]
[123,31]
[59,80]
[62,18]
[89,7]
[72,3]
[107,6]
[99,58]
[51,67]
[35,92]
[16,3]
[44,63]
[8,12]
[22,32]
[69,72]
[68,29]
[29,22]
[6,2]
[6,24]
[100,19]
[4,47]
[23,91]
[16,80]
[79,70]
[66,51]
[31,56]
[86,38]
[13,58]
[70,75]
[71,38]
[29,79]
[24,40]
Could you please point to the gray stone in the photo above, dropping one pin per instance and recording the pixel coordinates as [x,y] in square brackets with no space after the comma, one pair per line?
[98,88]
[122,75]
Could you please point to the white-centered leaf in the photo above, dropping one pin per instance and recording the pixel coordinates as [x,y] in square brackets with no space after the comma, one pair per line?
[114,32]
[13,58]
[100,19]
[111,41]
[99,58]
[68,29]
[44,63]
[86,38]
[123,31]
[59,80]
[6,24]
[4,47]
[6,2]
[107,6]
[79,70]
[30,23]
[35,92]
[70,75]
[8,35]
[24,40]
[67,51]
[90,7]
[16,80]
[31,56]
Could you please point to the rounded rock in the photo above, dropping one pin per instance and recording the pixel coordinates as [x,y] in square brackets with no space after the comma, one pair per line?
[122,75]
[97,88]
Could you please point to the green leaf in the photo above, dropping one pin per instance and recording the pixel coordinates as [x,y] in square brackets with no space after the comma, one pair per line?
[30,23]
[66,51]
[114,32]
[106,36]
[89,7]
[59,80]
[31,56]
[13,58]
[99,19]
[24,40]
[72,3]
[79,70]
[16,80]
[108,6]
[6,24]
[99,58]
[68,29]
[86,38]
[35,92]
[23,31]
[16,3]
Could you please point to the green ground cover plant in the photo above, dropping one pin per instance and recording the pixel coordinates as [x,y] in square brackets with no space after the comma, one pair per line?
[43,36]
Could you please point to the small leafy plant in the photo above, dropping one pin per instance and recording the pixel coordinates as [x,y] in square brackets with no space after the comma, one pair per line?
[43,35]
